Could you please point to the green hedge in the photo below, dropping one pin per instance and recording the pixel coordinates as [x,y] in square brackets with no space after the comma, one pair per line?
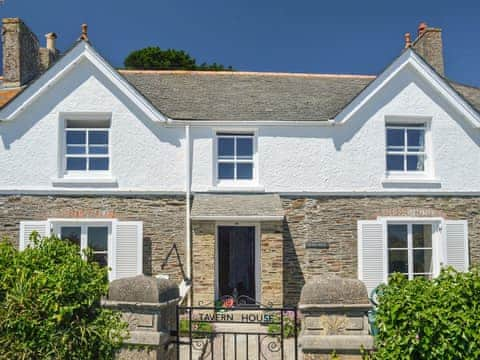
[50,304]
[437,319]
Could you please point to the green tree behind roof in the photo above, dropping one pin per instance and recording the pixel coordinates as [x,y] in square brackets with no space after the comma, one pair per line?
[154,58]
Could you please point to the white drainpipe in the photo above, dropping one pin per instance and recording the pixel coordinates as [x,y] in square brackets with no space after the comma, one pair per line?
[188,240]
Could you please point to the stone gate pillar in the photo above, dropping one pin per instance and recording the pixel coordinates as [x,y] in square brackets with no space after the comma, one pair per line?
[148,306]
[334,312]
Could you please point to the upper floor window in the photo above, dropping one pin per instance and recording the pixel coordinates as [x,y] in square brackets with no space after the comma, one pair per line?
[87,146]
[406,147]
[235,156]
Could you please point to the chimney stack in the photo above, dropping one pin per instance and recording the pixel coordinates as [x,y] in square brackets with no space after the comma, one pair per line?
[48,54]
[429,46]
[20,53]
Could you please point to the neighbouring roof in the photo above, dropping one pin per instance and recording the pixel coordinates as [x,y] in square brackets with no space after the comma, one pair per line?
[250,96]
[217,206]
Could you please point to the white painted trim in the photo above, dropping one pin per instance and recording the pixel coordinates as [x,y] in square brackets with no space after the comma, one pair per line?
[188,175]
[139,192]
[86,181]
[410,58]
[258,262]
[237,218]
[82,50]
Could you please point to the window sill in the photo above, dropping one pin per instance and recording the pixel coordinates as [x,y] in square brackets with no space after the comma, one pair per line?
[87,182]
[411,181]
[237,188]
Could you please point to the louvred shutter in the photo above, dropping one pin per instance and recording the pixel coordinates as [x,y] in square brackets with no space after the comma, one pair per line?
[371,253]
[128,249]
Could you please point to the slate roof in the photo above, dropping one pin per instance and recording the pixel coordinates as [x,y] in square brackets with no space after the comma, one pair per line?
[248,96]
[230,96]
[237,205]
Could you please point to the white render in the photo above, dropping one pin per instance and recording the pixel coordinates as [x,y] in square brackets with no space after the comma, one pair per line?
[149,151]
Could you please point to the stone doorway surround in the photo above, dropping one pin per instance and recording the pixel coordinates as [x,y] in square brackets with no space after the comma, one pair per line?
[266,213]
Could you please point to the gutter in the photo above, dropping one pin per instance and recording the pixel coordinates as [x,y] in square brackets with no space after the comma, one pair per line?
[321,123]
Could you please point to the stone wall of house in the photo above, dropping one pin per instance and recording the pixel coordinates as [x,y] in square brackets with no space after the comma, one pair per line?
[163,221]
[271,262]
[333,221]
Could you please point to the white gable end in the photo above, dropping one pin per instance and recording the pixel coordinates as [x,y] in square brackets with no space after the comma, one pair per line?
[410,60]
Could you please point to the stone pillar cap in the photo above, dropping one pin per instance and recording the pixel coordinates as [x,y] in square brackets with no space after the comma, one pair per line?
[142,288]
[332,289]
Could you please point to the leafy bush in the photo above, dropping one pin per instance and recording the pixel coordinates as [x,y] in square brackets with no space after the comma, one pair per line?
[50,304]
[437,319]
[288,325]
[199,329]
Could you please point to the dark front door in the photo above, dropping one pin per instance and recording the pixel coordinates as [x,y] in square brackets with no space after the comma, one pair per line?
[236,261]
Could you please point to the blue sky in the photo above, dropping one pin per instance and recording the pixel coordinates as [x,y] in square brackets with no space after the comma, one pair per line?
[355,36]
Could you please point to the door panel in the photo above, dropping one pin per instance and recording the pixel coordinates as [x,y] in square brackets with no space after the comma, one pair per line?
[236,260]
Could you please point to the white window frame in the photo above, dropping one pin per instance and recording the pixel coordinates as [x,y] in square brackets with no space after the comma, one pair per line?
[84,224]
[62,162]
[438,242]
[250,133]
[410,122]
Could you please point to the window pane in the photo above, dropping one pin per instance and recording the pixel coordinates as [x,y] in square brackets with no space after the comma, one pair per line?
[98,137]
[98,163]
[395,137]
[398,236]
[71,233]
[76,137]
[75,150]
[245,171]
[225,147]
[416,139]
[422,236]
[76,163]
[395,162]
[398,261]
[245,148]
[422,261]
[101,259]
[226,171]
[98,238]
[415,162]
[98,150]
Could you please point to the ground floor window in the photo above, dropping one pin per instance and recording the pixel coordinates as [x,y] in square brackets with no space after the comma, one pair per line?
[410,249]
[91,236]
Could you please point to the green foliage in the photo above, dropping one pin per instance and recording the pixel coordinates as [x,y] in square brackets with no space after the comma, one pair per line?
[154,58]
[288,325]
[437,319]
[202,329]
[50,304]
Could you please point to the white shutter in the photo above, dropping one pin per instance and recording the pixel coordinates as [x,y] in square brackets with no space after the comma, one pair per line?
[128,249]
[371,262]
[26,229]
[456,234]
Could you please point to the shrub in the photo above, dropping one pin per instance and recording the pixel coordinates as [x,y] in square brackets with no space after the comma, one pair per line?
[199,329]
[288,325]
[437,319]
[50,304]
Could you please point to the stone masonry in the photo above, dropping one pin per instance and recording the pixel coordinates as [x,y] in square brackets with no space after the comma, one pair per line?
[271,258]
[163,221]
[333,220]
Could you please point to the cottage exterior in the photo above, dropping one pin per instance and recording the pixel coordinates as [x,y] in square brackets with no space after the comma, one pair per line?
[241,183]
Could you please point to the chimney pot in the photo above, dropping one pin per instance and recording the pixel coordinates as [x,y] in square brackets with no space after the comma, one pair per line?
[422,27]
[51,37]
[408,40]
[84,35]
